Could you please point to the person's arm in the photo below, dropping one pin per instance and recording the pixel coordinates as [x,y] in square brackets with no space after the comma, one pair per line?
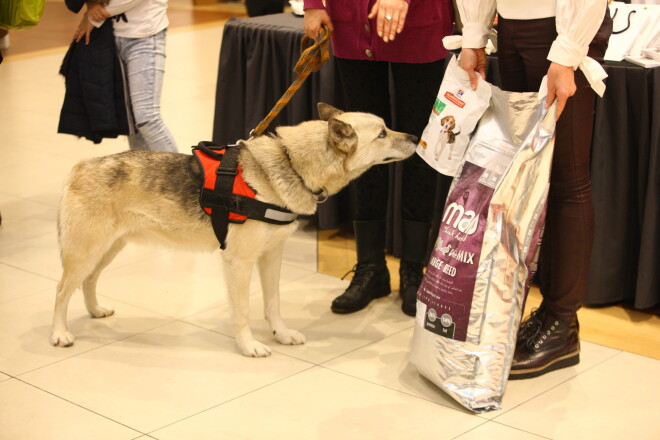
[577,24]
[477,17]
[96,10]
[116,7]
[315,16]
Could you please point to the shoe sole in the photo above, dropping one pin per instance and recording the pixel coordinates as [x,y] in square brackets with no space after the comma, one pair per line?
[565,361]
[346,311]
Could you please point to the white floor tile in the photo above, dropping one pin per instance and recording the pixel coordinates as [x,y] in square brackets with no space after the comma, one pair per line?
[495,431]
[177,284]
[4,377]
[305,307]
[27,413]
[38,178]
[322,404]
[16,283]
[161,376]
[25,329]
[386,363]
[42,255]
[616,399]
[24,219]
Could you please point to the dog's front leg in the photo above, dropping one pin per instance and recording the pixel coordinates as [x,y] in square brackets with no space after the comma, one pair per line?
[270,265]
[238,273]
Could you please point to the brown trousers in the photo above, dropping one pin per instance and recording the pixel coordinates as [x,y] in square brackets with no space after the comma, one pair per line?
[523,46]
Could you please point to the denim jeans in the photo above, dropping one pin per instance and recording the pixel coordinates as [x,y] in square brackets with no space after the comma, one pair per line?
[144,64]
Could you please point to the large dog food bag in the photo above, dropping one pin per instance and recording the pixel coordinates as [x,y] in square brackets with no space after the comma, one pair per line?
[470,302]
[454,115]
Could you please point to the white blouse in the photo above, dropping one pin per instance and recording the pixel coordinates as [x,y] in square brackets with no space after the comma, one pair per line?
[577,24]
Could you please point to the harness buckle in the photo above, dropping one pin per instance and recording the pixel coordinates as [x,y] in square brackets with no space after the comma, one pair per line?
[226,171]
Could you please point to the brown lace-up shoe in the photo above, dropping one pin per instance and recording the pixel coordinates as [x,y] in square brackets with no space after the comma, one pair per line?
[545,343]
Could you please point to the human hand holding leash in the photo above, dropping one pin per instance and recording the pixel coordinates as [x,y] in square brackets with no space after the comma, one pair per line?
[473,61]
[314,19]
[561,86]
[390,17]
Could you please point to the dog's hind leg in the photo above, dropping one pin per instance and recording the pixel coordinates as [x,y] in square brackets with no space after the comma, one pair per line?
[77,264]
[75,271]
[270,265]
[238,272]
[89,284]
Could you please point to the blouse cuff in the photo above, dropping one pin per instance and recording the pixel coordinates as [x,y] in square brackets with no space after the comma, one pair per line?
[568,53]
[475,35]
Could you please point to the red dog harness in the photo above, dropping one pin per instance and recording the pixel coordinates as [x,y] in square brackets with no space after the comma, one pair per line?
[226,197]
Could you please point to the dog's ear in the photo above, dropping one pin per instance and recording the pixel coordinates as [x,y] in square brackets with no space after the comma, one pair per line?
[342,135]
[326,111]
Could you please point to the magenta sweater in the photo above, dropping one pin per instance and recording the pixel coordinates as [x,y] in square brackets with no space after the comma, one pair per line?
[355,37]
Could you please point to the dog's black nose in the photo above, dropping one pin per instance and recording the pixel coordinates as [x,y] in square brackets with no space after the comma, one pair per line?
[414,139]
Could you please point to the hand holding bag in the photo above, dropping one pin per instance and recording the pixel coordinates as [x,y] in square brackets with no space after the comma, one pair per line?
[454,115]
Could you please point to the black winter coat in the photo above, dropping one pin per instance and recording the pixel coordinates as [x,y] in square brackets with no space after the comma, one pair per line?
[94,103]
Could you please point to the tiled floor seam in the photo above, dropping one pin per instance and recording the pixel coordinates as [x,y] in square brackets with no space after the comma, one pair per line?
[14,243]
[311,366]
[27,295]
[536,396]
[448,406]
[17,376]
[80,406]
[366,345]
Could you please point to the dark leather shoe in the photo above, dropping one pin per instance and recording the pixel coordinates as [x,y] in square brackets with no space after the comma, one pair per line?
[410,276]
[371,281]
[545,343]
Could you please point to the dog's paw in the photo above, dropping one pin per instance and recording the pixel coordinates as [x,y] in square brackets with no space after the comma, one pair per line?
[289,337]
[255,349]
[61,339]
[101,311]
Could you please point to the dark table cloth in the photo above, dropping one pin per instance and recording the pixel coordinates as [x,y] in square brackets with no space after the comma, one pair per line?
[256,67]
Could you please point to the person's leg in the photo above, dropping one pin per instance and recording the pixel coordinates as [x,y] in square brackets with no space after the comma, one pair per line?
[416,87]
[144,59]
[365,87]
[549,340]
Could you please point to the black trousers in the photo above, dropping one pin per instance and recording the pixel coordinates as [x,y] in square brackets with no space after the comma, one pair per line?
[403,95]
[523,46]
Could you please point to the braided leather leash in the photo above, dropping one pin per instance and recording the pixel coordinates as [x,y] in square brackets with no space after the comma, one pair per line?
[312,57]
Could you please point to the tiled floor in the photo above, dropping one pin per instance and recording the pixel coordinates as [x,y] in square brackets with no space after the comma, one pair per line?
[165,367]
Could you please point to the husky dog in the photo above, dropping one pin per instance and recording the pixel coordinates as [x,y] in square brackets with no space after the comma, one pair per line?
[154,196]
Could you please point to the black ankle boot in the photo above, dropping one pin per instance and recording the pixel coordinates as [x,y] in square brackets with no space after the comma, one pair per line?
[410,276]
[415,237]
[371,279]
[545,343]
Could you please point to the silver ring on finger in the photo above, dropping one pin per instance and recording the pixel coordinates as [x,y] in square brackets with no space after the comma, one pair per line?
[388,17]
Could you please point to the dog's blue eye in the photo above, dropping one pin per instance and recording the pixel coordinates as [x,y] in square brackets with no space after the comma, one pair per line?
[382,134]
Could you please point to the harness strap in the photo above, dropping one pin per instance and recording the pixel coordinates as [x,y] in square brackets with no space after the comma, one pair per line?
[218,197]
[224,183]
